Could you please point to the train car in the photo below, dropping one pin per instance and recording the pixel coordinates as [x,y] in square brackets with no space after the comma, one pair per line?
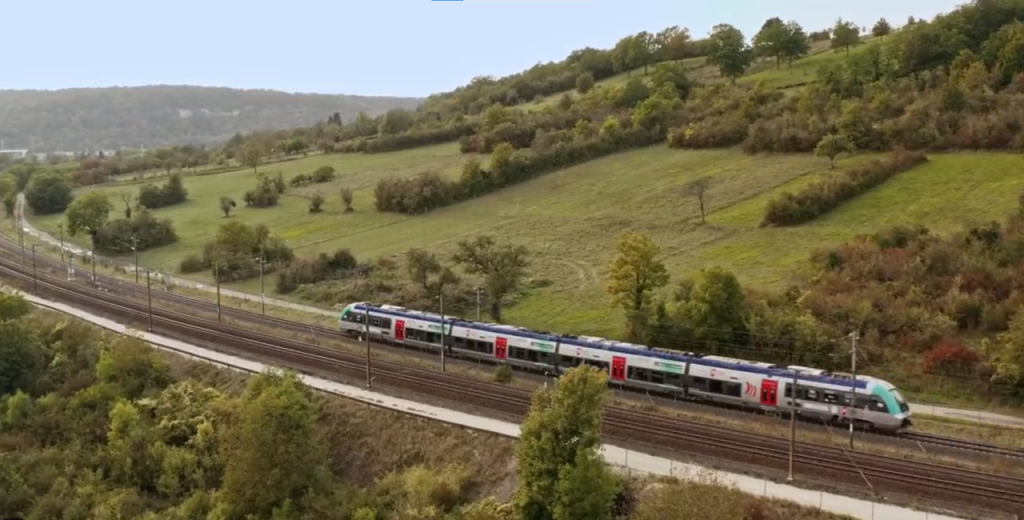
[837,398]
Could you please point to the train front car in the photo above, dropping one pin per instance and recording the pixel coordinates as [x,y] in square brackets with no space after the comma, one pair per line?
[897,416]
[351,322]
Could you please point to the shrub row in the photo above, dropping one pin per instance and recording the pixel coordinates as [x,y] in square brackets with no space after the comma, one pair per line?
[171,193]
[312,270]
[429,191]
[824,196]
[407,140]
[148,232]
[320,175]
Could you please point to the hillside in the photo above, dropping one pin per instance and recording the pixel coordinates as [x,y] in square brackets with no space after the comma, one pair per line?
[111,118]
[757,180]
[95,425]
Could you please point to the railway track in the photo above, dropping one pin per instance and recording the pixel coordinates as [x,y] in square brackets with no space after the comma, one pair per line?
[139,291]
[983,447]
[874,474]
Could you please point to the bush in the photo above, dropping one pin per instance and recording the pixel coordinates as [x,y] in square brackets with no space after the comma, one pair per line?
[299,180]
[323,174]
[503,374]
[265,195]
[148,231]
[192,263]
[316,203]
[950,358]
[49,193]
[822,197]
[171,193]
[313,270]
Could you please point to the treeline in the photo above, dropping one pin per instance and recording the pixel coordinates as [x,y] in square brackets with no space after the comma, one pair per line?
[101,168]
[790,209]
[90,214]
[508,166]
[943,306]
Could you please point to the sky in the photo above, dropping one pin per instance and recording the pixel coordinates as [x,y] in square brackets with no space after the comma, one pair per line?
[369,47]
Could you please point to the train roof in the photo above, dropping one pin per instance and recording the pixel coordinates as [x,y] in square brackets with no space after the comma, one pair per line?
[758,367]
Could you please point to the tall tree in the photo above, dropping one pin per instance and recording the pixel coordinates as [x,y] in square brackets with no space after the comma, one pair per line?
[772,40]
[273,455]
[881,29]
[698,189]
[251,154]
[798,44]
[634,274]
[561,474]
[88,214]
[502,266]
[728,50]
[845,35]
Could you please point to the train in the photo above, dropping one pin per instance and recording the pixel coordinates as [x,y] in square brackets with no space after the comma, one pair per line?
[836,398]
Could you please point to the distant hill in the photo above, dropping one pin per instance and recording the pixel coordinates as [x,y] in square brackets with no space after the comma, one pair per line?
[108,118]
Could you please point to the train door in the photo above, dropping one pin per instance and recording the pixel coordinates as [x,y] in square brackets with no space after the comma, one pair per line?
[500,348]
[618,368]
[769,392]
[399,330]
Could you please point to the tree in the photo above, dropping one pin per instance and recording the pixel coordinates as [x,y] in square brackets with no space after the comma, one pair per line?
[561,474]
[584,82]
[346,199]
[772,40]
[881,28]
[728,50]
[831,146]
[634,274]
[88,214]
[276,411]
[425,270]
[676,46]
[714,310]
[845,35]
[316,202]
[502,266]
[251,154]
[18,360]
[49,193]
[226,205]
[126,199]
[798,44]
[698,189]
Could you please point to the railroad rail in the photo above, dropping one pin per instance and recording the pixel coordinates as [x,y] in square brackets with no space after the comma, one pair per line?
[875,474]
[140,292]
[953,442]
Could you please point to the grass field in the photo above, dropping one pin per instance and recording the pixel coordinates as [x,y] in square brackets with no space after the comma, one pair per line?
[787,76]
[571,219]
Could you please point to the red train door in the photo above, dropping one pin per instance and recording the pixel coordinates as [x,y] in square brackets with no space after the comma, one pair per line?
[500,348]
[399,330]
[618,368]
[769,392]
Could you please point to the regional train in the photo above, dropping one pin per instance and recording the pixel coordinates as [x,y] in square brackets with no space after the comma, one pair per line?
[835,398]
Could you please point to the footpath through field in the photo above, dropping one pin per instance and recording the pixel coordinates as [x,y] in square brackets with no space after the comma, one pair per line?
[916,408]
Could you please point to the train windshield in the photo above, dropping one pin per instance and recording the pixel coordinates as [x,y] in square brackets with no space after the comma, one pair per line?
[900,400]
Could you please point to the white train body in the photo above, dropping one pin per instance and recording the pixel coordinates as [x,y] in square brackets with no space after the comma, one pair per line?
[833,398]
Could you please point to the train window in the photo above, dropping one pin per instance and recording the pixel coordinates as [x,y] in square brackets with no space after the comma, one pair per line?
[831,397]
[811,395]
[733,389]
[638,374]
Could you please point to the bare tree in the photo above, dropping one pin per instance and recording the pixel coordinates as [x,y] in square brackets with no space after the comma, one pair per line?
[346,199]
[126,198]
[699,189]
